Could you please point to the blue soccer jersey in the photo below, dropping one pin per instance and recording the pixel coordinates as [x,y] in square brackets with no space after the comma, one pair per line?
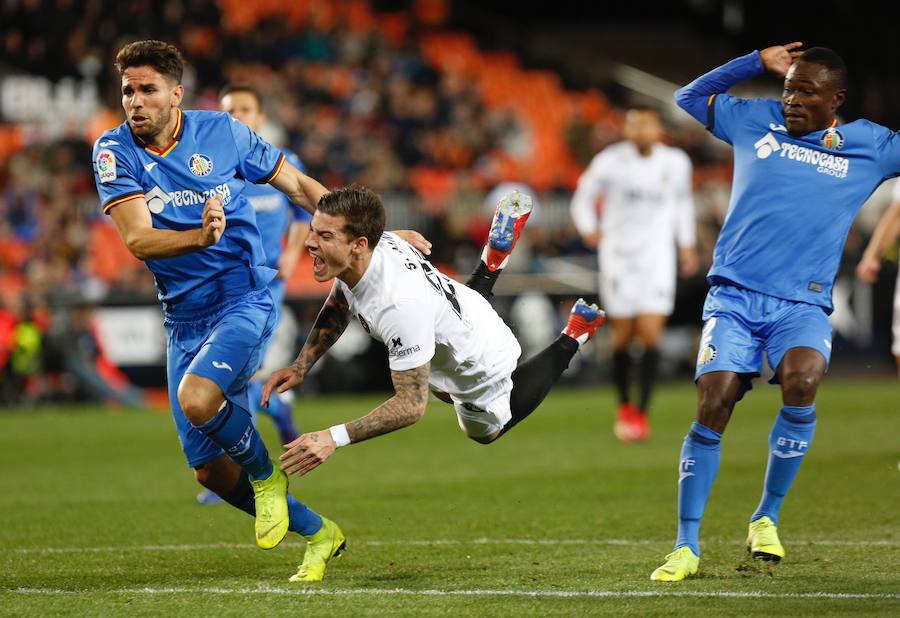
[274,214]
[211,154]
[793,199]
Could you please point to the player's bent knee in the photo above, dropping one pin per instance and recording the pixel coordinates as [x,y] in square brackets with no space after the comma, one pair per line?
[198,405]
[800,385]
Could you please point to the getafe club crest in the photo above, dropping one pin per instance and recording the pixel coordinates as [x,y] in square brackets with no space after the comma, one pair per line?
[707,355]
[832,139]
[200,165]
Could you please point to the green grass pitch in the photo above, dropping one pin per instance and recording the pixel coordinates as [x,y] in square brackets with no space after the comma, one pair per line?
[98,516]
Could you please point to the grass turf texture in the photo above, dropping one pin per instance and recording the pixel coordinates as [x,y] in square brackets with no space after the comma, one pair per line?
[98,516]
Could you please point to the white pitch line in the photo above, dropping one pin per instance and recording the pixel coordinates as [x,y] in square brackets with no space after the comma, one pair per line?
[435,542]
[609,594]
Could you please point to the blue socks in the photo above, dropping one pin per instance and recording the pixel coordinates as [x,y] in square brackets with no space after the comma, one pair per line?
[791,436]
[232,429]
[697,469]
[303,520]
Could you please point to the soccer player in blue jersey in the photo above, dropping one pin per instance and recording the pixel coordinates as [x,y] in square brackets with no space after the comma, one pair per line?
[276,217]
[173,183]
[799,180]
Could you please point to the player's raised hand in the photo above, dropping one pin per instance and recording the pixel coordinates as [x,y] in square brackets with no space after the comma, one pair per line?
[280,381]
[867,269]
[307,452]
[213,225]
[779,58]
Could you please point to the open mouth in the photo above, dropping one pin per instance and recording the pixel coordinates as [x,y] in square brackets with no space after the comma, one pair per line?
[318,265]
[139,120]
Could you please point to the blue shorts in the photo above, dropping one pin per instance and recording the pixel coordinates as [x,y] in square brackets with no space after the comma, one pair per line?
[224,346]
[740,324]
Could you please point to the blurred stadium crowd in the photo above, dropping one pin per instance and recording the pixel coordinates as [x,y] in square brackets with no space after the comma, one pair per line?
[392,100]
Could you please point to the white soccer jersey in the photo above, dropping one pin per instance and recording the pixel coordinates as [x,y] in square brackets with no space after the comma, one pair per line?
[422,315]
[647,210]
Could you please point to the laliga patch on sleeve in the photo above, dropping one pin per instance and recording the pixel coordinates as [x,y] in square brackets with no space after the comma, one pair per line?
[106,165]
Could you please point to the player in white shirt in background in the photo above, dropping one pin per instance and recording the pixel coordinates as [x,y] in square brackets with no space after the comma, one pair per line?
[886,233]
[441,336]
[634,205]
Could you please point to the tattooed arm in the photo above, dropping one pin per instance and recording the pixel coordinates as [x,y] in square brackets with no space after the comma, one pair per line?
[405,408]
[330,324]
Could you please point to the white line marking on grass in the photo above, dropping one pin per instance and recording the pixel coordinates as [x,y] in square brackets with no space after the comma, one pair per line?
[610,594]
[380,543]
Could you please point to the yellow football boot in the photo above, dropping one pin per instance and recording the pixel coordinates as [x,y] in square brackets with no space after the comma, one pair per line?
[680,564]
[321,547]
[762,540]
[271,509]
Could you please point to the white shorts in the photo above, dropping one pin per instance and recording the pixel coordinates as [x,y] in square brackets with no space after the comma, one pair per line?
[629,292]
[480,422]
[896,347]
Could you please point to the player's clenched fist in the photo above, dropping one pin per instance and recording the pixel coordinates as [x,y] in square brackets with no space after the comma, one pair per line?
[213,221]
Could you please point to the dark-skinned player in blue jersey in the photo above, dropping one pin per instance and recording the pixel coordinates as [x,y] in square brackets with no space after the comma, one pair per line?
[799,180]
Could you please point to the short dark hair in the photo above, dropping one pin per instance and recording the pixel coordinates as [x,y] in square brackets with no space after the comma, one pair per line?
[164,58]
[251,90]
[829,59]
[361,207]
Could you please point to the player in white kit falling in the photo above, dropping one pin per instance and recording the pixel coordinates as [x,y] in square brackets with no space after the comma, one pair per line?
[441,335]
[886,232]
[646,209]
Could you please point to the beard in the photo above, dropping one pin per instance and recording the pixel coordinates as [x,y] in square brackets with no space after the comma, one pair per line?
[151,130]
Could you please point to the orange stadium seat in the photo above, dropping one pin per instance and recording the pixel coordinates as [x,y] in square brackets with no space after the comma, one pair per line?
[109,255]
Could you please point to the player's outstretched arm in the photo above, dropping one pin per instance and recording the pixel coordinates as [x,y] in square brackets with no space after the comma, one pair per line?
[301,189]
[403,409]
[887,230]
[330,324]
[696,96]
[148,243]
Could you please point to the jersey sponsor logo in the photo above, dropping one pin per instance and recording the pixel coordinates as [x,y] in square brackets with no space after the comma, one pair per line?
[150,166]
[157,200]
[825,162]
[832,139]
[106,165]
[200,165]
[396,342]
[402,352]
[777,127]
[766,145]
[185,197]
[109,142]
